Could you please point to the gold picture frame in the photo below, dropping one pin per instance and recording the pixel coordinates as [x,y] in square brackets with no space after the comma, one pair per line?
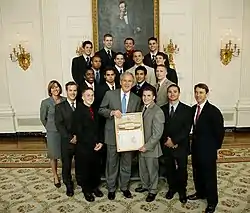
[95,20]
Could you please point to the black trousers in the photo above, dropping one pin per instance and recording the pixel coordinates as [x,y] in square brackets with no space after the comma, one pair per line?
[205,178]
[67,152]
[88,169]
[176,169]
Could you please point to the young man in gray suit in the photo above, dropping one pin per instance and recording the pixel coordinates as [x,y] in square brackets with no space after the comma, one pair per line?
[153,119]
[162,85]
[115,103]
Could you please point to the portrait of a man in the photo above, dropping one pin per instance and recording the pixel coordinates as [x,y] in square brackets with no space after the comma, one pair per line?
[124,19]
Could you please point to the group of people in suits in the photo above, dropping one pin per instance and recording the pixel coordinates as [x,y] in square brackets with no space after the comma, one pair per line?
[103,89]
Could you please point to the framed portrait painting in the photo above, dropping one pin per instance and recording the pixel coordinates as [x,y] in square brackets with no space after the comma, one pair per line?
[138,19]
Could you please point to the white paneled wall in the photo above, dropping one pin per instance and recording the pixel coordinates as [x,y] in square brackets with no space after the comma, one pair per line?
[52,29]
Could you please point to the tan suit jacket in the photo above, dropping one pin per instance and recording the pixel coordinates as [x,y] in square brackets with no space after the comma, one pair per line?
[150,77]
[162,95]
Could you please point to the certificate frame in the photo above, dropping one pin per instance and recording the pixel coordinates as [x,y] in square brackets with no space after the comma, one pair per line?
[129,132]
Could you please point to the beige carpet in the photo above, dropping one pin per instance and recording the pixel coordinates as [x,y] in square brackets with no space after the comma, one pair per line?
[31,190]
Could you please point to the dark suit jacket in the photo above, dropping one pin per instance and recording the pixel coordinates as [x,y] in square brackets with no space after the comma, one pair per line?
[208,132]
[178,127]
[86,130]
[106,62]
[172,75]
[63,119]
[78,68]
[139,92]
[129,62]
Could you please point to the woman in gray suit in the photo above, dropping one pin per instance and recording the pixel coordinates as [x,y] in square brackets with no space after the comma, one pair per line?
[47,114]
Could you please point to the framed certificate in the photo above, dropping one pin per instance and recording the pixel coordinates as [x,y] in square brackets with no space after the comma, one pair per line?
[129,132]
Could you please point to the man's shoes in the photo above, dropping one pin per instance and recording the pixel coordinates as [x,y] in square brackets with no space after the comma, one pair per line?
[170,194]
[140,190]
[210,208]
[89,197]
[97,192]
[195,196]
[69,191]
[111,195]
[183,198]
[127,194]
[150,197]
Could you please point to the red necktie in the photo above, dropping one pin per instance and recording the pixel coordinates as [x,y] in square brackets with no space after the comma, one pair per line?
[198,113]
[91,113]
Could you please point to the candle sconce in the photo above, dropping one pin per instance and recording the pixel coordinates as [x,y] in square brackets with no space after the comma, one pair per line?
[230,50]
[19,54]
[170,50]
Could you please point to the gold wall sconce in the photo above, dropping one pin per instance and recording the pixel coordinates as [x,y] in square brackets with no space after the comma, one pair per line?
[19,54]
[170,50]
[230,50]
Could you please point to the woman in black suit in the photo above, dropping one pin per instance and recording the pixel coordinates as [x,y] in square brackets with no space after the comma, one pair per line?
[89,142]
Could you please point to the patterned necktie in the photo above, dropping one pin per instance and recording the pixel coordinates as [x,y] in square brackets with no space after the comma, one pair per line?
[124,102]
[91,113]
[171,114]
[73,106]
[88,61]
[109,54]
[97,77]
[198,113]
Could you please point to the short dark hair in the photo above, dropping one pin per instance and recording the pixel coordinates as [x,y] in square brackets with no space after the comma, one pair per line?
[150,88]
[165,56]
[141,68]
[129,38]
[95,56]
[89,69]
[107,35]
[108,69]
[138,51]
[202,86]
[119,53]
[152,39]
[70,83]
[87,88]
[85,43]
[174,85]
[51,84]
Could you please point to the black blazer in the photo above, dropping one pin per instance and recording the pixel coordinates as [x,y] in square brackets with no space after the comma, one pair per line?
[139,92]
[172,75]
[63,119]
[106,62]
[178,127]
[86,130]
[78,68]
[129,62]
[208,132]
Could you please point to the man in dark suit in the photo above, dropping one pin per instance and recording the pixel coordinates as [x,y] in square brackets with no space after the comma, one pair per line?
[96,65]
[175,143]
[81,63]
[161,58]
[115,103]
[129,44]
[207,138]
[89,143]
[140,75]
[119,66]
[63,121]
[150,58]
[106,53]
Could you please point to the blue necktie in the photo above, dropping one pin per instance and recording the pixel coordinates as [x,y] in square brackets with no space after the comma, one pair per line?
[124,104]
[97,77]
